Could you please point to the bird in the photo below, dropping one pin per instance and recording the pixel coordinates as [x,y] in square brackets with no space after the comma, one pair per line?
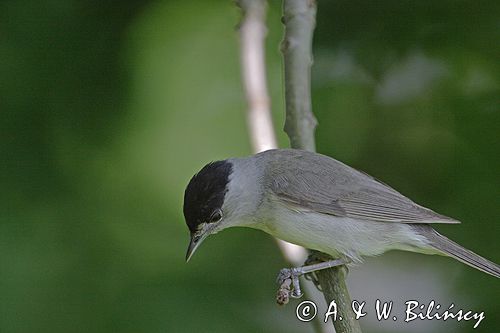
[317,202]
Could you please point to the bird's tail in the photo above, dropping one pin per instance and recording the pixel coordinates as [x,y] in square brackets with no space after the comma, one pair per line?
[452,249]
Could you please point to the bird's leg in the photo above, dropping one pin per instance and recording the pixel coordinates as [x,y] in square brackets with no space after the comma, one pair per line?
[288,278]
[316,257]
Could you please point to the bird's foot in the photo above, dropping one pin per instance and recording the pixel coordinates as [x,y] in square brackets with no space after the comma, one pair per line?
[317,261]
[315,257]
[288,280]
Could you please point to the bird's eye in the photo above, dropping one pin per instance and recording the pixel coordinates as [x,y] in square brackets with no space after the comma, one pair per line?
[216,216]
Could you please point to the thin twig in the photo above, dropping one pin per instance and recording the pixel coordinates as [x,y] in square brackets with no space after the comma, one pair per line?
[260,124]
[261,130]
[299,20]
[253,34]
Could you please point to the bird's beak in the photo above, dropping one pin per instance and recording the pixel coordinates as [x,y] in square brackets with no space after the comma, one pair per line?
[196,239]
[193,245]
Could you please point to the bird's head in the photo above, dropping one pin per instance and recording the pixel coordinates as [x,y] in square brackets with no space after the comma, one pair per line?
[204,200]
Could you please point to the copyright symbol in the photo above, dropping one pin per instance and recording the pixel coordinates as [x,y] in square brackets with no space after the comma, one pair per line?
[306,311]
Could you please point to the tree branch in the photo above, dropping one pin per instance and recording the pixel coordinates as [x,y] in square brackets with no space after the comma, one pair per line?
[299,20]
[259,121]
[252,35]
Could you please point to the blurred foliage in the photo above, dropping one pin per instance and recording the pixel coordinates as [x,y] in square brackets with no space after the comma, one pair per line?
[108,108]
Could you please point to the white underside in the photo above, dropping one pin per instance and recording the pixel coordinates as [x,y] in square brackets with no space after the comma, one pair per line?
[338,235]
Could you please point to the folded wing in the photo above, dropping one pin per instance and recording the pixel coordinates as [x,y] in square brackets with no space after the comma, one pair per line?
[320,183]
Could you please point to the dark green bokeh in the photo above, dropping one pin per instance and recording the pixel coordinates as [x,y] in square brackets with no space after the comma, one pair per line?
[108,108]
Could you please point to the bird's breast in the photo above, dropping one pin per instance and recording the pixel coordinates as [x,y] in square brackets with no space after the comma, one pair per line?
[335,235]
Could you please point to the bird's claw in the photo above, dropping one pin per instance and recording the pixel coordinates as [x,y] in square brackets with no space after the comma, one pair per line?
[288,279]
[314,279]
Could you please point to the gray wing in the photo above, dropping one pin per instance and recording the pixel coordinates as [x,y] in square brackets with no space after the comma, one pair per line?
[320,183]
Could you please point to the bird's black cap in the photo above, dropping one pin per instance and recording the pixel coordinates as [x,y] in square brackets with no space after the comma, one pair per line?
[205,193]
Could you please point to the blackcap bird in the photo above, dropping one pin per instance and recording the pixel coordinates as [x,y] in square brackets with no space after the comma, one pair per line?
[317,202]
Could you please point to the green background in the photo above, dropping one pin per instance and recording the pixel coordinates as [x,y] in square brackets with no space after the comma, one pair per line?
[108,108]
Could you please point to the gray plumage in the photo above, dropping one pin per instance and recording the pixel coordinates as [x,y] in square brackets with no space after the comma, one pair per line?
[328,186]
[454,250]
[317,202]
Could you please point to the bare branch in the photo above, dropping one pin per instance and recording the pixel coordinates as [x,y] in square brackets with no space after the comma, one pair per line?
[261,130]
[252,34]
[299,19]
